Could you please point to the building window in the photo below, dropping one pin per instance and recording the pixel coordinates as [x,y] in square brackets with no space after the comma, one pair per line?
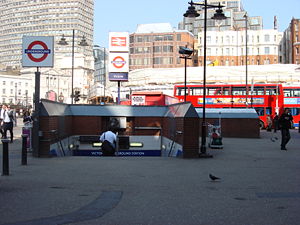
[227,52]
[267,38]
[156,48]
[3,91]
[168,48]
[131,39]
[297,51]
[267,50]
[3,82]
[208,39]
[139,38]
[227,39]
[178,37]
[168,38]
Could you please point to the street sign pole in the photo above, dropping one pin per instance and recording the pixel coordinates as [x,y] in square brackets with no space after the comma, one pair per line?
[37,51]
[36,119]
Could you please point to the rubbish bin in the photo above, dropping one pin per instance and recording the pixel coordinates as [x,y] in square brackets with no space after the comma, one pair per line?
[27,129]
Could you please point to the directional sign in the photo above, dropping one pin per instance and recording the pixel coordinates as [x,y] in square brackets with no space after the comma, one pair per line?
[37,51]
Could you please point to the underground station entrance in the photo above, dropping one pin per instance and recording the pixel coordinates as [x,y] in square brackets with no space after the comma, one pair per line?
[142,130]
[174,130]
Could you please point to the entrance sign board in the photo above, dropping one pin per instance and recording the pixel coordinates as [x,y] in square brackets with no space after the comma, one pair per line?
[37,51]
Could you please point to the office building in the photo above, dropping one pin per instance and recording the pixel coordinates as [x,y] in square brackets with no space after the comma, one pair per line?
[228,48]
[157,45]
[50,18]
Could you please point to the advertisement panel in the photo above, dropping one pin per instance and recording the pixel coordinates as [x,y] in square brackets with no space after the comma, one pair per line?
[37,51]
[138,100]
[118,41]
[256,101]
[291,101]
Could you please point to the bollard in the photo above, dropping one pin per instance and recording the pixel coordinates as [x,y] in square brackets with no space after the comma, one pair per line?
[24,149]
[5,162]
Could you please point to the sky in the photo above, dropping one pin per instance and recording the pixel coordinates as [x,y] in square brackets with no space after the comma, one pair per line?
[124,16]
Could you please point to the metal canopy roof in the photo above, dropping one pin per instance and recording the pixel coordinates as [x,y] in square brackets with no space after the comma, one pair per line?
[50,108]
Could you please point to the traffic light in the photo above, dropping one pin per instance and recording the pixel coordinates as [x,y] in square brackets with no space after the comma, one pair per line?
[76,96]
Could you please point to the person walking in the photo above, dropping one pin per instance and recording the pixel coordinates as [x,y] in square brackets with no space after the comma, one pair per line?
[276,122]
[285,124]
[269,123]
[8,123]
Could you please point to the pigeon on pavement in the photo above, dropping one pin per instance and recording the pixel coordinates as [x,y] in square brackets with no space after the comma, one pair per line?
[212,177]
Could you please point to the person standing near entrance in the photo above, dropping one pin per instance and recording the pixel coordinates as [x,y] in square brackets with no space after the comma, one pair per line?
[108,140]
[285,124]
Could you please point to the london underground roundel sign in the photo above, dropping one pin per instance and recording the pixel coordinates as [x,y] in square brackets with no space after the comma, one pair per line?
[37,51]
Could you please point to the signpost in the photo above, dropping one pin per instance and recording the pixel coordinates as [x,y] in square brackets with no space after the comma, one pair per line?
[37,51]
[118,58]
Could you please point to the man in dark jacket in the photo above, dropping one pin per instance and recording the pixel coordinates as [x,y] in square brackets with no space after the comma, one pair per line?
[285,124]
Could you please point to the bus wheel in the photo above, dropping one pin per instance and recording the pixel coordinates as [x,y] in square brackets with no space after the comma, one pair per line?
[261,125]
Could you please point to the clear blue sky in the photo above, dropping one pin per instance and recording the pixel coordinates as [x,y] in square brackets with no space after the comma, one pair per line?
[124,16]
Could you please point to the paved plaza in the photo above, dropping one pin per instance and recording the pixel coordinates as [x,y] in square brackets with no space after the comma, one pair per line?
[260,185]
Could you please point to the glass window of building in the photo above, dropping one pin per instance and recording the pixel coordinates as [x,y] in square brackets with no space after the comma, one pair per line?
[156,48]
[267,37]
[158,38]
[168,37]
[131,39]
[178,37]
[267,50]
[208,39]
[139,38]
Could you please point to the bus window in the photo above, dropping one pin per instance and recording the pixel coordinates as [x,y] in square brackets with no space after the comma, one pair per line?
[287,92]
[258,91]
[226,91]
[180,91]
[238,90]
[196,91]
[295,111]
[269,111]
[213,91]
[271,91]
[296,92]
[260,111]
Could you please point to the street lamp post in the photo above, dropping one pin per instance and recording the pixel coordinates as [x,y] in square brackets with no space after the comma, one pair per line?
[186,53]
[219,15]
[82,43]
[246,39]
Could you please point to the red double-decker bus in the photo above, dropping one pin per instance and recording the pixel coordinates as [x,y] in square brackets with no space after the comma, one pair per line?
[266,99]
[292,101]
